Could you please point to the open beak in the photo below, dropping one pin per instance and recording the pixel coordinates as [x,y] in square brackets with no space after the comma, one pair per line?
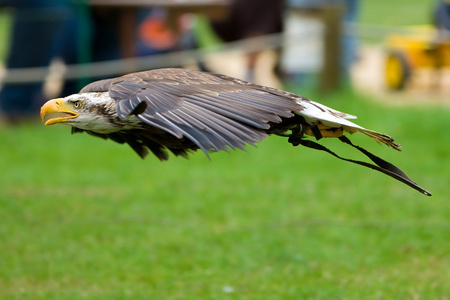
[53,111]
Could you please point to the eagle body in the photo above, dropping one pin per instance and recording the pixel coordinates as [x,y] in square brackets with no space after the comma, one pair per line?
[182,110]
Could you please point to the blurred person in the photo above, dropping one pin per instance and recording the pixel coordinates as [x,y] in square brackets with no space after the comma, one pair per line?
[442,15]
[154,35]
[37,27]
[247,19]
[41,31]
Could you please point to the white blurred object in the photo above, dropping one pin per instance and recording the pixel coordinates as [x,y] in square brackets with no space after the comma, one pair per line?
[303,51]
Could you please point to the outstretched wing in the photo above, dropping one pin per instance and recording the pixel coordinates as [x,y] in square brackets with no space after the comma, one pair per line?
[214,111]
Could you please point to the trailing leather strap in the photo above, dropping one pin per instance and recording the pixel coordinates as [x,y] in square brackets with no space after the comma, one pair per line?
[381,165]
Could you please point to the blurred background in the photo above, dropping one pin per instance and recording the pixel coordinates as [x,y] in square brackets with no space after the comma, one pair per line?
[53,48]
[84,218]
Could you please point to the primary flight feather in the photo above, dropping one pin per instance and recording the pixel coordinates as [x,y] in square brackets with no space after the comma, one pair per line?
[183,110]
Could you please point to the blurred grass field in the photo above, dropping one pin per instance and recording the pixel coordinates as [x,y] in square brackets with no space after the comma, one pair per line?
[84,218]
[397,13]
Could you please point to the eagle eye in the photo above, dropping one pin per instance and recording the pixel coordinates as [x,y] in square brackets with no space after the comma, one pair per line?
[77,104]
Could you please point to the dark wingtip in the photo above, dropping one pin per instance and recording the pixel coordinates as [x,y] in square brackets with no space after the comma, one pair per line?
[426,193]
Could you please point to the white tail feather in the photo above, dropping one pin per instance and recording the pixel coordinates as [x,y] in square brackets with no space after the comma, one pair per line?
[315,113]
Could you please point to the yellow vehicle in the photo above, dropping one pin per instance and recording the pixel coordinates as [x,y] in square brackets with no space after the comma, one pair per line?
[421,47]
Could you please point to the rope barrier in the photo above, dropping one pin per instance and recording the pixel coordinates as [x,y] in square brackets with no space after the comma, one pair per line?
[177,58]
[120,66]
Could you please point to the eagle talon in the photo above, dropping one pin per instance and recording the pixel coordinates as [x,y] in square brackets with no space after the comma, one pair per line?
[295,140]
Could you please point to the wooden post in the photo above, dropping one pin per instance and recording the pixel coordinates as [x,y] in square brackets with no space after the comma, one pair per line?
[332,64]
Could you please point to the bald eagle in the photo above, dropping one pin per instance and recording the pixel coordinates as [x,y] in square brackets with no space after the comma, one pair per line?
[182,110]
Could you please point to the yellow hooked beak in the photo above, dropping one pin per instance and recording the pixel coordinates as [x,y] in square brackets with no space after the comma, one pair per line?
[56,111]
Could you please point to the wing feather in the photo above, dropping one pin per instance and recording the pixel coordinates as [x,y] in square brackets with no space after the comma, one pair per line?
[213,111]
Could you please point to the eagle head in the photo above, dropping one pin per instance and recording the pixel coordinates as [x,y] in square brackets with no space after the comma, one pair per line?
[88,111]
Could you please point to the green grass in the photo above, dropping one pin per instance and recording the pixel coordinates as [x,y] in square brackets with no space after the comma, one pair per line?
[84,218]
[397,13]
[5,28]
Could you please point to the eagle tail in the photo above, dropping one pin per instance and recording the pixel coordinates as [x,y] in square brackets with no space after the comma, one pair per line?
[381,138]
[327,122]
